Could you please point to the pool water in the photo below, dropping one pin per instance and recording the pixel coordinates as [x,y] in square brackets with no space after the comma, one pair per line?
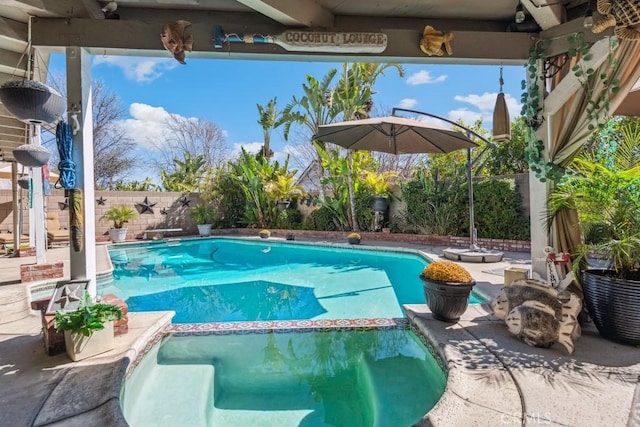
[222,280]
[328,378]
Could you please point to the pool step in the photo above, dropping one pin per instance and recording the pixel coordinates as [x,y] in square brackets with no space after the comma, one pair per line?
[387,387]
[177,395]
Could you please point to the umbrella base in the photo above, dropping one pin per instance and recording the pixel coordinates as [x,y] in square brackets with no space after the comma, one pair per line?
[469,255]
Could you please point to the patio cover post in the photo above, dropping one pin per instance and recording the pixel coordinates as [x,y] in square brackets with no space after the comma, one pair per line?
[17,227]
[37,232]
[83,261]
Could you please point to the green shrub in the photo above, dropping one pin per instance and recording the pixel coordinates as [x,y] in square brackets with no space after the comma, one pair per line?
[320,219]
[231,200]
[498,210]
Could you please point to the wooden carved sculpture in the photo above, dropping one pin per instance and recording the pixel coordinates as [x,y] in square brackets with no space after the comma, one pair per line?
[623,15]
[436,42]
[175,41]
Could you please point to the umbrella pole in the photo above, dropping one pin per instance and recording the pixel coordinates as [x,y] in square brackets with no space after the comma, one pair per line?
[472,229]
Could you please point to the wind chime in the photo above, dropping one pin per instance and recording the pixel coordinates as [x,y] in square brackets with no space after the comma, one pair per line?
[501,122]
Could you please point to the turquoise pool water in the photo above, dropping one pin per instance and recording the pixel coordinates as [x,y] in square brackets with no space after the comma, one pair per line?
[221,280]
[330,378]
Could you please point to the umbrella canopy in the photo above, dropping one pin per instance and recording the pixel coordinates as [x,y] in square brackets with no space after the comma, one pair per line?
[396,135]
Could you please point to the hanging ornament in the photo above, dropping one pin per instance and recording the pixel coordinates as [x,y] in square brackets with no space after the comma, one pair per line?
[31,101]
[501,122]
[31,155]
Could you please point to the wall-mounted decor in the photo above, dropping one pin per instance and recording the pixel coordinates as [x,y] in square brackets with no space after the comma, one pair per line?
[436,43]
[164,211]
[101,201]
[63,205]
[175,40]
[309,41]
[623,15]
[146,206]
[185,202]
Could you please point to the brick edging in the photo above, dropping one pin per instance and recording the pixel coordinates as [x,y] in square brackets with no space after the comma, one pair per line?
[421,239]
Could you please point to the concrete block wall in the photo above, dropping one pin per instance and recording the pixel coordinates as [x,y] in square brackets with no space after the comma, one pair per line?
[177,214]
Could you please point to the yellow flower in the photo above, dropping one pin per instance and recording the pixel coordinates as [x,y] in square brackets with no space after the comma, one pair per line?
[446,271]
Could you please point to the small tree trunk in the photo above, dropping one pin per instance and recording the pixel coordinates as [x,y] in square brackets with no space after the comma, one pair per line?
[352,197]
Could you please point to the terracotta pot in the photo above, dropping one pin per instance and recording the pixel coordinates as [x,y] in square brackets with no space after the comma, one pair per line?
[447,300]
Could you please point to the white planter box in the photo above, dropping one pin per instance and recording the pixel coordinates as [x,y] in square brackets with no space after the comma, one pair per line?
[80,347]
[118,235]
[204,229]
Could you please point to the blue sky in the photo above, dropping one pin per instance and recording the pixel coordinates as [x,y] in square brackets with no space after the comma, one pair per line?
[226,91]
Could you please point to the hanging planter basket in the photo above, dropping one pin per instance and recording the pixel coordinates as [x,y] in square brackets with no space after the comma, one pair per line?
[32,155]
[32,102]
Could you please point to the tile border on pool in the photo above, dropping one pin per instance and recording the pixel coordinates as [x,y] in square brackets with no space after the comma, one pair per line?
[285,325]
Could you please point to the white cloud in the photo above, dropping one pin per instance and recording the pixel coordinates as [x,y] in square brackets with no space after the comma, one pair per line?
[485,104]
[139,69]
[249,147]
[467,116]
[407,103]
[424,77]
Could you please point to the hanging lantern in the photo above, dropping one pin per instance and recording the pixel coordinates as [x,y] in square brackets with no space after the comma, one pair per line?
[501,122]
[31,101]
[31,155]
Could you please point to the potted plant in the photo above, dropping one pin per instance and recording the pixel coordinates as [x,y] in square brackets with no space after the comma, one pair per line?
[264,234]
[379,183]
[606,197]
[447,287]
[119,214]
[203,214]
[89,329]
[353,238]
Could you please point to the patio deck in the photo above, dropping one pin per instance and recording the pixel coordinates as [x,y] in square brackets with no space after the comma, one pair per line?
[494,379]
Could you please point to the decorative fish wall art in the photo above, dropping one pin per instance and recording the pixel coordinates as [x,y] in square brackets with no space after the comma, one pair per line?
[175,39]
[436,43]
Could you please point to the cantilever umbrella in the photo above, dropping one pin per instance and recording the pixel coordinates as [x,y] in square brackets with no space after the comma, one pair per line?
[392,134]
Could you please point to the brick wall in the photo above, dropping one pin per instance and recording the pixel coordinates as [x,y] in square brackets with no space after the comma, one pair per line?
[419,239]
[35,272]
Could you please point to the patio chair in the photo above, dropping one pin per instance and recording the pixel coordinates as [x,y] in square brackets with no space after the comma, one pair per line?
[55,233]
[6,241]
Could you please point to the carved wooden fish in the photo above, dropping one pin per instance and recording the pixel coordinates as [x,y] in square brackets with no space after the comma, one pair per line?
[624,15]
[174,39]
[436,42]
[536,325]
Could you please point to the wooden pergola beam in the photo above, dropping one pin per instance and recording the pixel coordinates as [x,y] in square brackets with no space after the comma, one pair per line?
[290,13]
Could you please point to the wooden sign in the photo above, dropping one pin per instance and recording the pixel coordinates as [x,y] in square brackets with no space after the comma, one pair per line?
[310,41]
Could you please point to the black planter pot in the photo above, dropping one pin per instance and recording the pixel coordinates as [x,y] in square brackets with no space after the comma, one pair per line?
[380,204]
[31,101]
[614,305]
[447,300]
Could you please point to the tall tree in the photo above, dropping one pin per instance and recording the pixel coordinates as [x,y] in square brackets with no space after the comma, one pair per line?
[313,109]
[354,99]
[196,137]
[269,120]
[185,175]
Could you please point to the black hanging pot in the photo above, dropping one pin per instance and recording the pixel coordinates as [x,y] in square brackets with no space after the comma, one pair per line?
[32,102]
[613,304]
[380,204]
[32,155]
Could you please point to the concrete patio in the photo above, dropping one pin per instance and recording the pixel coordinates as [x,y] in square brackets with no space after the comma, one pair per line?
[494,379]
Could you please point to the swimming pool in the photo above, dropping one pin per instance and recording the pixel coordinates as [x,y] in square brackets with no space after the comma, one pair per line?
[319,378]
[225,280]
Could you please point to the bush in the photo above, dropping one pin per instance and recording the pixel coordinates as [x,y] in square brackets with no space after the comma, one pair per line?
[320,219]
[498,210]
[231,200]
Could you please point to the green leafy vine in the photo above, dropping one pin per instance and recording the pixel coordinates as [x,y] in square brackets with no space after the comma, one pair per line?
[597,110]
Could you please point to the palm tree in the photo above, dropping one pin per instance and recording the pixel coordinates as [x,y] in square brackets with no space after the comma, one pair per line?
[354,98]
[269,120]
[315,108]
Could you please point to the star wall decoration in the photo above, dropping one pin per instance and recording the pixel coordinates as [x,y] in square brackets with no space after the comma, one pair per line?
[67,296]
[101,201]
[63,205]
[146,206]
[185,202]
[164,211]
